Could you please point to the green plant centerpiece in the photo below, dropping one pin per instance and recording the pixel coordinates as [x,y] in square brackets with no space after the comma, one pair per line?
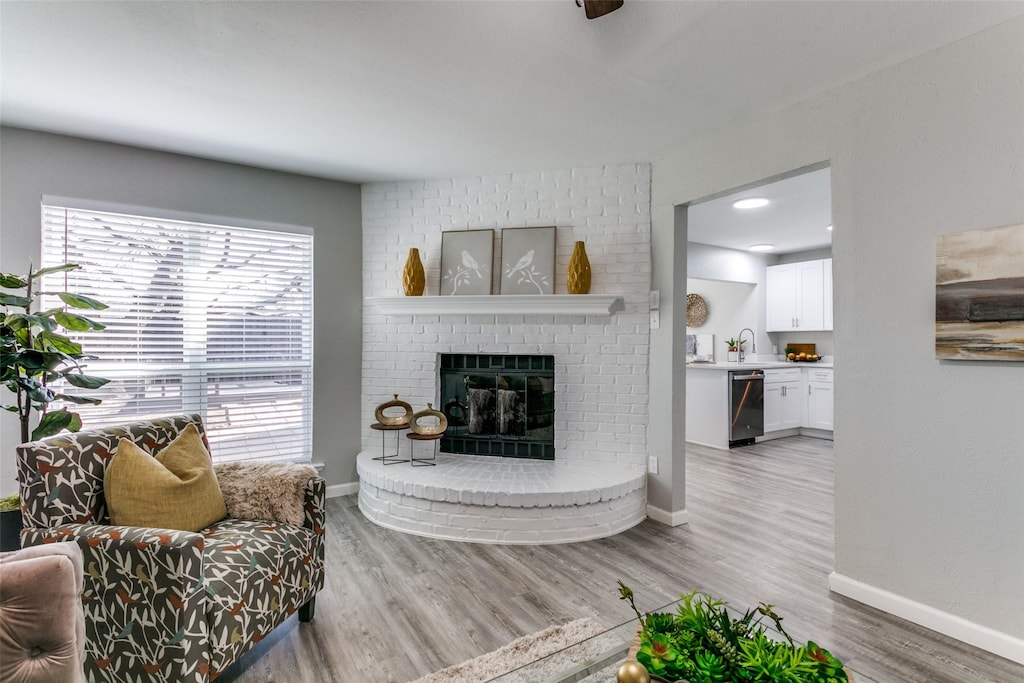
[34,353]
[10,503]
[703,643]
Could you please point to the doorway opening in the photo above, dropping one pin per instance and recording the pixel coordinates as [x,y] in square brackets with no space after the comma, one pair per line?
[759,259]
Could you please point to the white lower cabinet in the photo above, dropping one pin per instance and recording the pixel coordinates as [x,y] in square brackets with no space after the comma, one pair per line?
[820,399]
[783,399]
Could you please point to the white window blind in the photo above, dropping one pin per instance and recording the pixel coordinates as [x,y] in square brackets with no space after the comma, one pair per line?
[208,319]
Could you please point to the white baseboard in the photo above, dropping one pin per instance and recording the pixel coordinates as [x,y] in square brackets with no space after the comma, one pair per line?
[665,517]
[336,490]
[951,625]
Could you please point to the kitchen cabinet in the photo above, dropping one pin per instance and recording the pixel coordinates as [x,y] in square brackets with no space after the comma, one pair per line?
[796,296]
[828,293]
[783,399]
[820,399]
[707,405]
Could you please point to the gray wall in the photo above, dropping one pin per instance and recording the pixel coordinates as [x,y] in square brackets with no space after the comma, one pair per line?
[928,454]
[33,164]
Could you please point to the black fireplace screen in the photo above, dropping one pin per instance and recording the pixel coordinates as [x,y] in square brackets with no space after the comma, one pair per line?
[499,405]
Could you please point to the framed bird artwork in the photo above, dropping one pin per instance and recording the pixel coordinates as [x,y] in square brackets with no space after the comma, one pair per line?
[466,257]
[528,260]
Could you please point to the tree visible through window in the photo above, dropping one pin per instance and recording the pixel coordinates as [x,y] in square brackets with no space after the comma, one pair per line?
[203,318]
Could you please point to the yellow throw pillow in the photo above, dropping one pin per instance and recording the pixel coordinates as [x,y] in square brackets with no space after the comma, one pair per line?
[176,489]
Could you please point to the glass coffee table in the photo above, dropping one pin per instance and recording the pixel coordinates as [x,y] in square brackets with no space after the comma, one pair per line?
[597,658]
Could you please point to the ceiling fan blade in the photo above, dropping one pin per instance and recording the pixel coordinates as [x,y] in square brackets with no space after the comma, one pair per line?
[599,8]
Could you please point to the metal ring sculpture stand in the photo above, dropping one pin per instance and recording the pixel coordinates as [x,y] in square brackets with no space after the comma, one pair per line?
[391,423]
[426,432]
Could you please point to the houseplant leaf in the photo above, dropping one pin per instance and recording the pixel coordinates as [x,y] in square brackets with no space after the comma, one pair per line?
[14,300]
[58,342]
[63,268]
[11,281]
[56,421]
[79,301]
[85,381]
[76,323]
[81,400]
[21,321]
[35,390]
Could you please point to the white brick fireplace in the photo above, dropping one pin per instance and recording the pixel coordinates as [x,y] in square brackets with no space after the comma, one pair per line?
[601,361]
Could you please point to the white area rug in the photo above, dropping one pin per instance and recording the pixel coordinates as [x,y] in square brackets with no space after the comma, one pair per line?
[516,654]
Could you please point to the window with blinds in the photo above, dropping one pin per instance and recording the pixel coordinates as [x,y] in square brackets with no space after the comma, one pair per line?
[208,319]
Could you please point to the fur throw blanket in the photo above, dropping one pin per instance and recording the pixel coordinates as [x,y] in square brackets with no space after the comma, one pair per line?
[264,490]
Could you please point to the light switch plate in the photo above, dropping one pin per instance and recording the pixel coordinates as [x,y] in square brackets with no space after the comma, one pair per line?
[655,320]
[655,299]
[652,464]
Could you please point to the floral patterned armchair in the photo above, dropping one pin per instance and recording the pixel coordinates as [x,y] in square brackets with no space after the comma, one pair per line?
[165,605]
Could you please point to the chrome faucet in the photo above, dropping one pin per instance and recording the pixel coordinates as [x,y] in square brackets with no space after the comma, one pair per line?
[753,343]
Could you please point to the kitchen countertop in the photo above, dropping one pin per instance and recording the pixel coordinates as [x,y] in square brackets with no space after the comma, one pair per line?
[758,365]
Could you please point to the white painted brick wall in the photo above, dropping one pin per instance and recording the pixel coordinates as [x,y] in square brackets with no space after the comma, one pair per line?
[600,362]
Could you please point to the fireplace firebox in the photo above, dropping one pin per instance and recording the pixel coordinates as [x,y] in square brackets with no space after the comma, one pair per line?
[498,404]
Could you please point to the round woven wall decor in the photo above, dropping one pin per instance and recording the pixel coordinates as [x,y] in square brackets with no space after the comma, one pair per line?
[696,310]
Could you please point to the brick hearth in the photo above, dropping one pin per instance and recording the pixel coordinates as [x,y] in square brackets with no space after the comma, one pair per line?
[502,500]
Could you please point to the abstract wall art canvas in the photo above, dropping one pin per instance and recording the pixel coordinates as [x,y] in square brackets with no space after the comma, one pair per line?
[466,257]
[528,260]
[979,295]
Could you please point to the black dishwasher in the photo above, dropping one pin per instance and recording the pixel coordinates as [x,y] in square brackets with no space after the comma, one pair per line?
[746,406]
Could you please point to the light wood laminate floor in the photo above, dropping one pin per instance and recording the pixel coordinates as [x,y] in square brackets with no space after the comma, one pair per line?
[760,527]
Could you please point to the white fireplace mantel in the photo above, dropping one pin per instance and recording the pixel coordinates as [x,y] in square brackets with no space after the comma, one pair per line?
[508,304]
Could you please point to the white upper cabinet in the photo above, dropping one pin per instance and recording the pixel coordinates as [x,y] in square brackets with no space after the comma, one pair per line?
[828,294]
[798,296]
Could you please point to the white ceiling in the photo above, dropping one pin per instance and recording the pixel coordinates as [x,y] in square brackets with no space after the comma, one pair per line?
[796,218]
[365,91]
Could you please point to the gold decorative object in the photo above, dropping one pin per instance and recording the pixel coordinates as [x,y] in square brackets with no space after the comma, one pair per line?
[393,420]
[413,278]
[578,275]
[632,671]
[696,310]
[428,429]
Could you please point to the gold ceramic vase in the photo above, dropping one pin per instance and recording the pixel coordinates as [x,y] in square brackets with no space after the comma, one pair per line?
[413,278]
[428,429]
[393,420]
[578,275]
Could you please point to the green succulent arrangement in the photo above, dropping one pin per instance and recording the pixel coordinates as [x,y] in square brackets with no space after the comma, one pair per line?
[704,643]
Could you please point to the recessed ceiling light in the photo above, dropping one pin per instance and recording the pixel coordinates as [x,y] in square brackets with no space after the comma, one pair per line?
[750,203]
[829,227]
[762,247]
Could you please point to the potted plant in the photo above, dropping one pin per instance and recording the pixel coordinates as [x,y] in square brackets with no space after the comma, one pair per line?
[734,349]
[10,522]
[34,354]
[704,643]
